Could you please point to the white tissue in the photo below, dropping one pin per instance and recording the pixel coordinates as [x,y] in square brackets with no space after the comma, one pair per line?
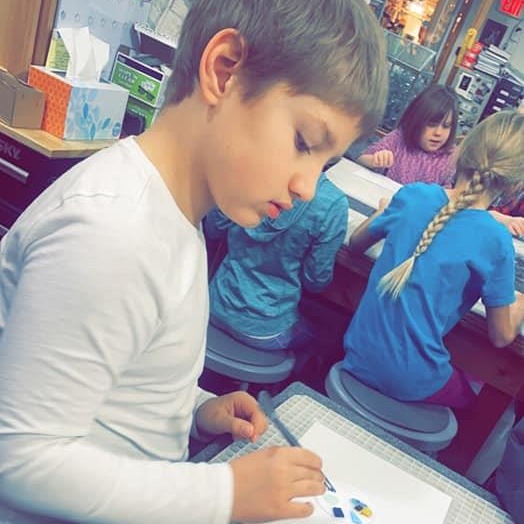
[87,54]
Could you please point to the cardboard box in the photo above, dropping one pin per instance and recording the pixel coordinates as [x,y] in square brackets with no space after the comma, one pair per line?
[20,104]
[79,110]
[143,82]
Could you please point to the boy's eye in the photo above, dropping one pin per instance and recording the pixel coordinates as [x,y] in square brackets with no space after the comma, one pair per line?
[301,144]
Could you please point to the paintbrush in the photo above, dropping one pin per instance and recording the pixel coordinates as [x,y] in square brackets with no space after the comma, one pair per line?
[266,403]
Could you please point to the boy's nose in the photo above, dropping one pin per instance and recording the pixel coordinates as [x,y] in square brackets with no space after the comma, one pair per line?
[304,186]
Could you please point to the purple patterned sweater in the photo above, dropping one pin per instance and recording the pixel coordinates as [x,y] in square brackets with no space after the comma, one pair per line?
[415,165]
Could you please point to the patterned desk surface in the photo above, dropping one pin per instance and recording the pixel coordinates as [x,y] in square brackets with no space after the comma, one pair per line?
[299,406]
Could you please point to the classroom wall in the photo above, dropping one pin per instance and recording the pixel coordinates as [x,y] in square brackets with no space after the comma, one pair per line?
[109,20]
[512,41]
[512,37]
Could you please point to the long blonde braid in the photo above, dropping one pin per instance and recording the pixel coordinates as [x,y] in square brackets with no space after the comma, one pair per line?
[490,160]
[394,281]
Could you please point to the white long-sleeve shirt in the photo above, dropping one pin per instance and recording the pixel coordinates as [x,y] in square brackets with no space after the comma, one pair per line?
[103,310]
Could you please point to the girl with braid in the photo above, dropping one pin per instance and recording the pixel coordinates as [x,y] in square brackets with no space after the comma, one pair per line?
[443,251]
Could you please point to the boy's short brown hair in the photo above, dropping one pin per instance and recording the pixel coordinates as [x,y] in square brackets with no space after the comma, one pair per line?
[331,49]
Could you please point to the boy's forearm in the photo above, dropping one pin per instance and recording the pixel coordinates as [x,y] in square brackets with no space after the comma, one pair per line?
[68,476]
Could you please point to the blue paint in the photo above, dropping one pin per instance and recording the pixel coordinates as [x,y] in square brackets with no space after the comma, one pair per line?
[355,518]
[338,513]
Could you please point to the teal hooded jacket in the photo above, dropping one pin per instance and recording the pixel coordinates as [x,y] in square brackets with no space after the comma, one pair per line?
[258,285]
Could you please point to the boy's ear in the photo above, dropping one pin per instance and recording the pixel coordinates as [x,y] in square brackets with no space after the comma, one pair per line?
[221,60]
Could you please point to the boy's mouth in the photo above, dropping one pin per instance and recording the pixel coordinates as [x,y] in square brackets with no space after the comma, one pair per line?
[275,208]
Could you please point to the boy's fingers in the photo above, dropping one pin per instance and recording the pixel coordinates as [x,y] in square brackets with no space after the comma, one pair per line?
[299,510]
[305,458]
[308,482]
[242,428]
[259,421]
[247,408]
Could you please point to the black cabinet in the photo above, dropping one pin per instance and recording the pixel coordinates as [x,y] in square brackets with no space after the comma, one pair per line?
[506,95]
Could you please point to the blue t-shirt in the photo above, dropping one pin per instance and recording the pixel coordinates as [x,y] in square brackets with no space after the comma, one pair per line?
[257,288]
[396,346]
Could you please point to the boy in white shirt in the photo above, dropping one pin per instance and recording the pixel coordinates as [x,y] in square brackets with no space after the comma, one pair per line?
[103,288]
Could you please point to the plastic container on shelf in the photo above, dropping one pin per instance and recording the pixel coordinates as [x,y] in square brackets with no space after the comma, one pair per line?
[404,85]
[409,53]
[410,71]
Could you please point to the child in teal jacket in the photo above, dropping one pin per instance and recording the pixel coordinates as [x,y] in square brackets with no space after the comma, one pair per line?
[254,294]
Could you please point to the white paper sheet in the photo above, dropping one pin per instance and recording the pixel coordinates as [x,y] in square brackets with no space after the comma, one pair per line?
[394,495]
[361,183]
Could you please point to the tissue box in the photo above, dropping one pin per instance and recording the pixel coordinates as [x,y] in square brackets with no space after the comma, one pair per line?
[79,110]
[20,105]
[143,82]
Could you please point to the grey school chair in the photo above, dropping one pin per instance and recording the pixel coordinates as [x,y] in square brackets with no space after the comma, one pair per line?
[228,357]
[427,427]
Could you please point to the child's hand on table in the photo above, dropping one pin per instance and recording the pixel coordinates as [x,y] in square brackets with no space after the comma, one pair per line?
[237,413]
[268,480]
[383,159]
[383,203]
[514,224]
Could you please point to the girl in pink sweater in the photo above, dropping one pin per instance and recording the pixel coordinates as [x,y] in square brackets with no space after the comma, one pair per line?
[421,149]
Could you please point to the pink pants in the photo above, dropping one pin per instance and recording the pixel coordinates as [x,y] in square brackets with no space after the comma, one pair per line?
[456,393]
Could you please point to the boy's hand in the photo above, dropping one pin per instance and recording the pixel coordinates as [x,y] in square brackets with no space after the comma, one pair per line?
[237,413]
[383,159]
[267,481]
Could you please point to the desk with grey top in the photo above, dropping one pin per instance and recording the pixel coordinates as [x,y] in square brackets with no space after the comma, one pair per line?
[299,407]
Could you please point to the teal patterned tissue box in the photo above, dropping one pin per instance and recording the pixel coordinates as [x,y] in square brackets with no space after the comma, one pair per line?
[77,109]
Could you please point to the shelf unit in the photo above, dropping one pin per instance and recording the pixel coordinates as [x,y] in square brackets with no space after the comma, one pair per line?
[410,71]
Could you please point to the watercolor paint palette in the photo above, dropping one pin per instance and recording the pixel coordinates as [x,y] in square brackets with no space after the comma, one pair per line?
[346,505]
